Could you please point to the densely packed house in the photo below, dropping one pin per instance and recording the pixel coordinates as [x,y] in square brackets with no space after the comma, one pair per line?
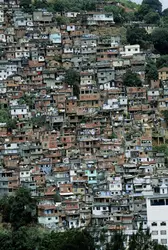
[71,132]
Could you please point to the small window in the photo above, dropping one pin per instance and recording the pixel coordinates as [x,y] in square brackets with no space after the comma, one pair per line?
[164,241]
[163,223]
[154,224]
[163,232]
[154,232]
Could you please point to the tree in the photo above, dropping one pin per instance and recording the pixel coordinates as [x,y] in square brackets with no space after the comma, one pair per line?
[136,35]
[57,197]
[155,5]
[152,18]
[131,79]
[68,240]
[61,20]
[27,238]
[29,100]
[117,11]
[117,241]
[5,117]
[162,61]
[26,6]
[151,72]
[72,78]
[39,121]
[141,240]
[160,40]
[165,12]
[165,115]
[143,10]
[74,5]
[18,210]
[161,149]
[5,240]
[41,4]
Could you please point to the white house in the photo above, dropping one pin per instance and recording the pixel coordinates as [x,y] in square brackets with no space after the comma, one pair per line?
[115,185]
[71,27]
[100,209]
[11,148]
[157,215]
[20,111]
[130,50]
[25,174]
[94,18]
[7,69]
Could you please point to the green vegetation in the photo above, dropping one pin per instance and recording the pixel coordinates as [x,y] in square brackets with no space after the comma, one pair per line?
[29,100]
[152,18]
[151,72]
[128,4]
[131,79]
[23,232]
[160,40]
[142,241]
[155,5]
[165,115]
[26,6]
[72,78]
[161,149]
[38,121]
[59,5]
[162,61]
[118,12]
[149,8]
[117,241]
[69,240]
[5,117]
[136,35]
[18,210]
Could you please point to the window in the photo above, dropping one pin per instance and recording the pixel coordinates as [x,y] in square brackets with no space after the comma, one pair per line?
[154,224]
[159,202]
[163,232]
[49,218]
[163,223]
[164,241]
[98,208]
[104,208]
[154,232]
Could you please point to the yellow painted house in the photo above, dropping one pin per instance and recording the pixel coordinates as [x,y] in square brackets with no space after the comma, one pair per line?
[163,73]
